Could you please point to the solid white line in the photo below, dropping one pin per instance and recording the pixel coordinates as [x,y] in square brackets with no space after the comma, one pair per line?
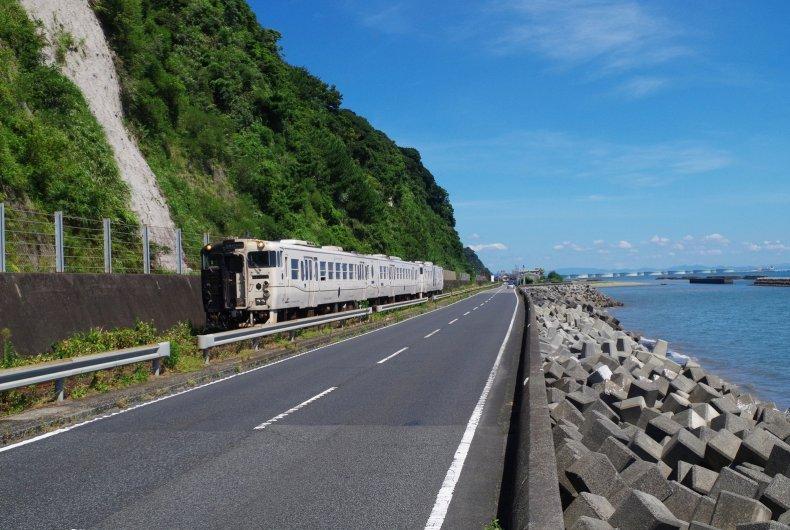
[445,495]
[434,332]
[388,357]
[466,313]
[294,409]
[453,321]
[214,382]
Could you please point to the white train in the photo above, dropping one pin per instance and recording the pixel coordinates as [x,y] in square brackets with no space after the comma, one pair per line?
[253,281]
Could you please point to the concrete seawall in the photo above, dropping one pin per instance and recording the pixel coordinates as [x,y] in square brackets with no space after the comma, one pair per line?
[530,487]
[40,309]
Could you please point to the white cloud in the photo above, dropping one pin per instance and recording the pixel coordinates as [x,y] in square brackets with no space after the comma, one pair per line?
[660,241]
[474,236]
[488,246]
[624,244]
[752,247]
[642,86]
[608,35]
[598,242]
[688,238]
[570,245]
[679,246]
[717,238]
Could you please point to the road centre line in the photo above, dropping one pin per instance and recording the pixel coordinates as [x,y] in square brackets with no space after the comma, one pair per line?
[388,357]
[294,409]
[68,428]
[466,313]
[453,321]
[445,495]
[432,333]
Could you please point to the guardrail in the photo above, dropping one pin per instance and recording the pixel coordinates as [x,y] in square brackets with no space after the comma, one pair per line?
[208,341]
[397,305]
[456,293]
[59,370]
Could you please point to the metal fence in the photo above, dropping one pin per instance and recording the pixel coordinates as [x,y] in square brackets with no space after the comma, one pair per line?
[32,241]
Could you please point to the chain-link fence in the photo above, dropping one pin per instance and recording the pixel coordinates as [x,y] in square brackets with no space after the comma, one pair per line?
[32,241]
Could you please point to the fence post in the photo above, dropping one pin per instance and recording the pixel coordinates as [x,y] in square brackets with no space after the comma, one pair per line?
[206,238]
[107,246]
[179,253]
[2,237]
[60,263]
[146,252]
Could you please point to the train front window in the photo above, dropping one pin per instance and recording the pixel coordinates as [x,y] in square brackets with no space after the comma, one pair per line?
[261,260]
[211,261]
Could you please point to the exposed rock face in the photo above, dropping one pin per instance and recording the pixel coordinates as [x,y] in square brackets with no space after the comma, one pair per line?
[90,66]
[645,442]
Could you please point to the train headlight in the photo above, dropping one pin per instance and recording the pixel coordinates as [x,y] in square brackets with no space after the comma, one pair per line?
[266,293]
[258,286]
[260,245]
[208,248]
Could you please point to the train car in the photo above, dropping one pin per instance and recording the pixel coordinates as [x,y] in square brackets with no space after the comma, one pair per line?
[249,281]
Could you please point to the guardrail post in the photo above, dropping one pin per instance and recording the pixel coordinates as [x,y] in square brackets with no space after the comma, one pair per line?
[156,365]
[59,389]
[206,356]
[146,251]
[107,246]
[206,238]
[179,253]
[2,237]
[60,263]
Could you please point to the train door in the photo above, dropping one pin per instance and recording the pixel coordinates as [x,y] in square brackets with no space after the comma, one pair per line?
[312,280]
[233,281]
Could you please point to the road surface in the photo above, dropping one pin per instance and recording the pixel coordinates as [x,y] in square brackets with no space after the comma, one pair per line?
[371,432]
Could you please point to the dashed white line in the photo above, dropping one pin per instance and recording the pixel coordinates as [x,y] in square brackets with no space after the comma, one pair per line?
[294,409]
[475,309]
[109,415]
[466,313]
[445,495]
[452,321]
[388,357]
[432,333]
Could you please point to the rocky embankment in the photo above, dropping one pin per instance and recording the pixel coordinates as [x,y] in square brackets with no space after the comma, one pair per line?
[644,442]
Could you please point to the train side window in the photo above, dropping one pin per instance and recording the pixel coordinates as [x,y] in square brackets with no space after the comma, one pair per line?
[331,271]
[322,271]
[279,258]
[294,269]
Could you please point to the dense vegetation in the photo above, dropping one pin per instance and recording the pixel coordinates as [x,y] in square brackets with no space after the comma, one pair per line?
[475,264]
[242,142]
[53,155]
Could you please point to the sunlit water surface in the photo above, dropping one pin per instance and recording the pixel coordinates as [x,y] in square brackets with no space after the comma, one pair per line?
[740,332]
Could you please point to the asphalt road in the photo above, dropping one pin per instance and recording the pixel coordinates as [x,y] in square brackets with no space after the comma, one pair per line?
[366,433]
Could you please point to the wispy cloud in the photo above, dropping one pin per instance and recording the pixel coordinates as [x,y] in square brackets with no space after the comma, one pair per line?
[642,86]
[624,244]
[569,245]
[488,246]
[387,18]
[717,238]
[610,35]
[552,154]
[660,241]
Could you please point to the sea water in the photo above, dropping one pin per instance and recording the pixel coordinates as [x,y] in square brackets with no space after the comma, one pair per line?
[740,332]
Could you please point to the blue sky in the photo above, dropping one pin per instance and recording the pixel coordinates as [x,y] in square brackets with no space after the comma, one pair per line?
[608,134]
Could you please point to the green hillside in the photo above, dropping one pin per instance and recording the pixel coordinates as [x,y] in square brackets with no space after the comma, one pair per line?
[53,155]
[477,266]
[243,142]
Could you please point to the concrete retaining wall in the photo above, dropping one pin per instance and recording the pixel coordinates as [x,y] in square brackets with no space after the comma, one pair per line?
[41,309]
[535,491]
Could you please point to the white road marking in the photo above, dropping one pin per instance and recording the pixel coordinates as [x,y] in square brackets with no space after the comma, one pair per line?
[466,313]
[445,495]
[294,409]
[475,309]
[214,382]
[432,333]
[388,357]
[525,381]
[453,321]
